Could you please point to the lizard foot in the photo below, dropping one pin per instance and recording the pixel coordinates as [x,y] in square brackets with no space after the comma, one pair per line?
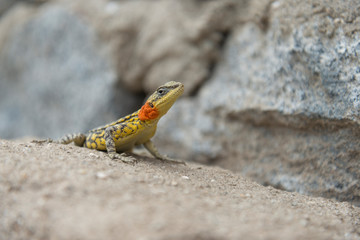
[126,158]
[170,160]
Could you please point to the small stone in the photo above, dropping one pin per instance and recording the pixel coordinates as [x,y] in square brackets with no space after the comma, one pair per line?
[93,155]
[101,175]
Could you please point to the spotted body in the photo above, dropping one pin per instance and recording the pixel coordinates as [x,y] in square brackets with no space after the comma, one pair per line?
[134,129]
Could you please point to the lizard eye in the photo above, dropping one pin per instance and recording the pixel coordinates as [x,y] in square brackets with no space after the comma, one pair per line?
[161,91]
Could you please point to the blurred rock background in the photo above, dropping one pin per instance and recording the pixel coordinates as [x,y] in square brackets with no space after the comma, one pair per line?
[272,87]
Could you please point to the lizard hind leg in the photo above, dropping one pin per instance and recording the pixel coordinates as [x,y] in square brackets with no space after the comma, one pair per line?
[149,145]
[77,138]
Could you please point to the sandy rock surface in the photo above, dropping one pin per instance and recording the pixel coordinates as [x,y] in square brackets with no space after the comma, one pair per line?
[52,191]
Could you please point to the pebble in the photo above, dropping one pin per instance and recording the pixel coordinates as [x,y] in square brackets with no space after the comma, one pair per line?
[101,175]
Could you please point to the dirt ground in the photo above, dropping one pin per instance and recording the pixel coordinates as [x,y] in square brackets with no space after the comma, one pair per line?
[52,191]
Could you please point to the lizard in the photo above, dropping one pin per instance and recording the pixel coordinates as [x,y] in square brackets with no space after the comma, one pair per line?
[134,129]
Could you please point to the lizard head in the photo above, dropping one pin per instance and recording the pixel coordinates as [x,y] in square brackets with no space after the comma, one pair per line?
[161,100]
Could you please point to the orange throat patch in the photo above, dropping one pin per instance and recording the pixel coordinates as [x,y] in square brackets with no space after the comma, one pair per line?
[147,112]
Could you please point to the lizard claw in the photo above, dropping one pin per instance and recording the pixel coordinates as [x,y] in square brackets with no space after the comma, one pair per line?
[170,160]
[126,158]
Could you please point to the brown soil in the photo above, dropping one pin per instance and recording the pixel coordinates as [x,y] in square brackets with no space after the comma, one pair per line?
[51,191]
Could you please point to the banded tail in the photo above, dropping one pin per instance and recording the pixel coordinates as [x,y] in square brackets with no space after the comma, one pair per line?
[77,138]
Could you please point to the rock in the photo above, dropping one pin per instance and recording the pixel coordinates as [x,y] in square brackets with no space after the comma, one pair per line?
[5,5]
[152,42]
[283,104]
[55,78]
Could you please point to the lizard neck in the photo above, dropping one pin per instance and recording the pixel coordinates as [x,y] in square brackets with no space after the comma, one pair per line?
[149,113]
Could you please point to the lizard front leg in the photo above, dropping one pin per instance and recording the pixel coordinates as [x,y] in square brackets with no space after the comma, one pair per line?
[149,145]
[109,136]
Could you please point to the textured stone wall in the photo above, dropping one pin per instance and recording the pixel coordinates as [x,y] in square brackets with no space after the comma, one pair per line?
[283,103]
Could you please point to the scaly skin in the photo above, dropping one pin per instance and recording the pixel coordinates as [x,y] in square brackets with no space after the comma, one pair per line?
[134,129]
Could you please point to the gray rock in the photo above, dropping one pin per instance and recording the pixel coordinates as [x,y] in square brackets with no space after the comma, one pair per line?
[152,42]
[55,79]
[283,104]
[5,5]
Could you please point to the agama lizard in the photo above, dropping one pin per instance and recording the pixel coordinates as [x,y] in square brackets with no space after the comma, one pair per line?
[134,129]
